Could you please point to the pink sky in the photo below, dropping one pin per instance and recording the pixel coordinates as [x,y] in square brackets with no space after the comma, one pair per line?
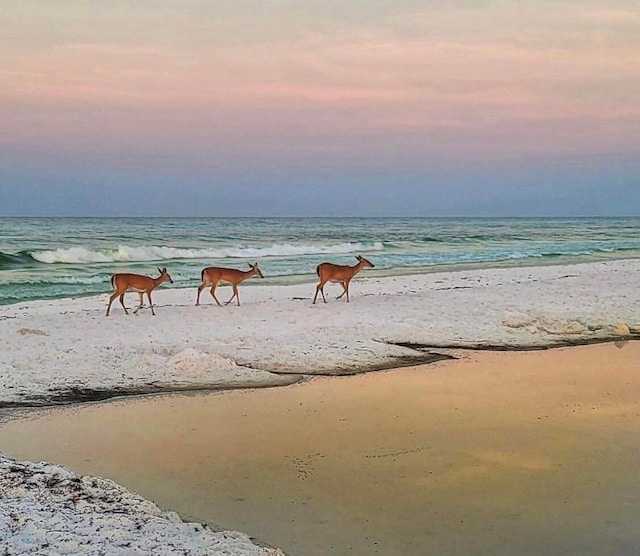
[287,82]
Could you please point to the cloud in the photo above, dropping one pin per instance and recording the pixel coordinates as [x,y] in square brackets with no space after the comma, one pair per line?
[397,82]
[613,16]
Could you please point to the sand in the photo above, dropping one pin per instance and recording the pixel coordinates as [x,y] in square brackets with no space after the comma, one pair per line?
[64,350]
[349,476]
[47,509]
[494,453]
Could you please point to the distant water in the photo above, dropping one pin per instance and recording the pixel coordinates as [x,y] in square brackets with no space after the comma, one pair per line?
[45,258]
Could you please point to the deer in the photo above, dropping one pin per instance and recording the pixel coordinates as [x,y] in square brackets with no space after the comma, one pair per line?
[213,275]
[343,274]
[123,283]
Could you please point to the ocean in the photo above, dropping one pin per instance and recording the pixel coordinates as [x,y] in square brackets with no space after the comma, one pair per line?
[50,258]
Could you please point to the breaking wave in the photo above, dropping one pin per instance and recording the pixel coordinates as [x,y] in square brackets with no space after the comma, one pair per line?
[81,255]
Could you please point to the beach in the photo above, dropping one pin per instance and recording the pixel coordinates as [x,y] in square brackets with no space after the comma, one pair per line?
[277,343]
[59,351]
[491,453]
[320,278]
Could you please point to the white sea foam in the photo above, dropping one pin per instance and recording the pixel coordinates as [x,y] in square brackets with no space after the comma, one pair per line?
[52,279]
[72,255]
[80,255]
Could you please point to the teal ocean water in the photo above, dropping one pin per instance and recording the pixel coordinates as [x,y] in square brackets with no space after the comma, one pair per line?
[48,258]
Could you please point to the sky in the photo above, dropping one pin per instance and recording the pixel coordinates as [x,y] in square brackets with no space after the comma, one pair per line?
[319,108]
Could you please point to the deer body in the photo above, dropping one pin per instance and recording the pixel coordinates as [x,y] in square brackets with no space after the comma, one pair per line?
[123,283]
[343,274]
[212,276]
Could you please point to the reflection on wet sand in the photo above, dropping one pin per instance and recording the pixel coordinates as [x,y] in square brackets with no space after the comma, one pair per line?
[496,453]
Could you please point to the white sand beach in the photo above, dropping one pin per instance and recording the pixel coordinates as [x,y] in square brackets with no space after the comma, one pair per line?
[55,350]
[63,351]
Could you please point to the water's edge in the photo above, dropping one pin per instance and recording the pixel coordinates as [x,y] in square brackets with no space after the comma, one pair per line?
[423,356]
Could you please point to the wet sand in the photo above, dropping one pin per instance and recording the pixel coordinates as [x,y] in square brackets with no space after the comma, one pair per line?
[495,453]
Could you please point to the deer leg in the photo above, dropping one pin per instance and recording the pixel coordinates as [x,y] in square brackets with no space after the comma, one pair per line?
[150,302]
[320,288]
[212,291]
[344,290]
[122,303]
[113,296]
[200,288]
[235,294]
[140,305]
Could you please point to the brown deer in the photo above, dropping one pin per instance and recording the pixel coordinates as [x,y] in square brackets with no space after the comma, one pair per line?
[343,274]
[123,283]
[213,275]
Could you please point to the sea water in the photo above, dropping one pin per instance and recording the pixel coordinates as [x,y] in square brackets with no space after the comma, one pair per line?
[48,258]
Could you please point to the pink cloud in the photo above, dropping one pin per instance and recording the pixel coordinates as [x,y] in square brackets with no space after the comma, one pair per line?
[497,79]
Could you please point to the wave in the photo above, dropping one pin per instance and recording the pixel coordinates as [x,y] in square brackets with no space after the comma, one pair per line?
[143,254]
[15,260]
[81,255]
[53,280]
[574,253]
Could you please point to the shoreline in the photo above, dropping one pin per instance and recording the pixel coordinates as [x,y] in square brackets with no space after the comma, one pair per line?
[494,452]
[65,351]
[77,397]
[49,507]
[307,279]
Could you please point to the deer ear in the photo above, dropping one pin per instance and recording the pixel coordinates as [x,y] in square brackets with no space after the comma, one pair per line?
[160,271]
[358,257]
[164,270]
